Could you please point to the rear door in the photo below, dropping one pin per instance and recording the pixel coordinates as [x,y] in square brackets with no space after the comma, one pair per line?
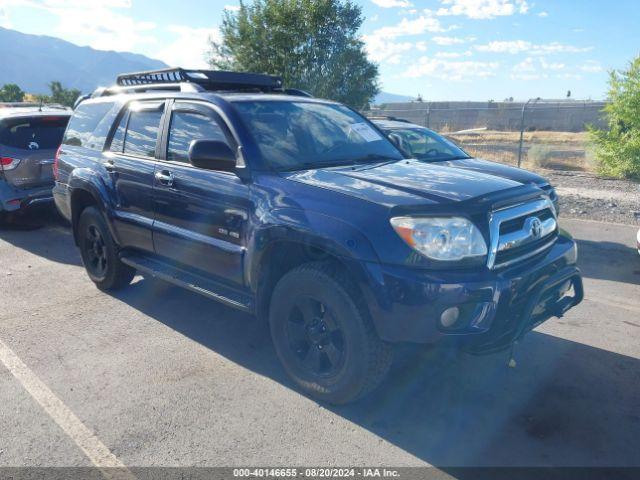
[130,161]
[200,215]
[28,146]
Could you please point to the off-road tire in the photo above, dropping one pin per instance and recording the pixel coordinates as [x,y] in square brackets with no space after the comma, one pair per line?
[116,274]
[366,358]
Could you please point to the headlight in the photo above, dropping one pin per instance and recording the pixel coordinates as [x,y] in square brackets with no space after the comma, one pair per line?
[443,239]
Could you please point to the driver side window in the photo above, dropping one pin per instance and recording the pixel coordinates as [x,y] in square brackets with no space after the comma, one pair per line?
[187,126]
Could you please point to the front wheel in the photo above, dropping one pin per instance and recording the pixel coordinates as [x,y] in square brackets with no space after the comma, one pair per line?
[99,252]
[323,336]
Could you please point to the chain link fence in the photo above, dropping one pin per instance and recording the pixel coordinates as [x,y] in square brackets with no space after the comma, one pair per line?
[535,134]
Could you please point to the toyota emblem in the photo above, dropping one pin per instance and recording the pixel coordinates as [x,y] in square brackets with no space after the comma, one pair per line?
[534,225]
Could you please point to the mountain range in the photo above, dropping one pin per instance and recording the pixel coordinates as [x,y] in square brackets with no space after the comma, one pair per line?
[32,61]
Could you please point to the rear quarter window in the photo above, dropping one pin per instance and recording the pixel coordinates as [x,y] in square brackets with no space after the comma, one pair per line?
[90,125]
[33,133]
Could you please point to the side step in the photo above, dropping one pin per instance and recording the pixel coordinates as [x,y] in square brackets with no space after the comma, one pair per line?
[194,282]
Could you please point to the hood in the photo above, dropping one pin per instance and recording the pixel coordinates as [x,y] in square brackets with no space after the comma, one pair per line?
[405,182]
[497,169]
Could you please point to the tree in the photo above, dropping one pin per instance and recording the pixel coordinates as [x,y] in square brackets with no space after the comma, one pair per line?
[312,44]
[618,148]
[11,92]
[62,95]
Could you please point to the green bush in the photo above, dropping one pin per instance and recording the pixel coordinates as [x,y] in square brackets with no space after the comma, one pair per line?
[617,149]
[540,155]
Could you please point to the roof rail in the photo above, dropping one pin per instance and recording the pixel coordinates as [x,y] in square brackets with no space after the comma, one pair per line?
[208,79]
[387,117]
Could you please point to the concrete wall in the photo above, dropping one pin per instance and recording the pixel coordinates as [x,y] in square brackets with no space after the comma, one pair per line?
[563,116]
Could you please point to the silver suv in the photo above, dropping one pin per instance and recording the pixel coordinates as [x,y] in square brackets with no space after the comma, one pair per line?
[30,135]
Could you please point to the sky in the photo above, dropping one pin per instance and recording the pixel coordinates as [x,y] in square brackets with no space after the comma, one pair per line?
[438,49]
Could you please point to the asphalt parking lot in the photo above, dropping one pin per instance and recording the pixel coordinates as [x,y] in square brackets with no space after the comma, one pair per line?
[164,377]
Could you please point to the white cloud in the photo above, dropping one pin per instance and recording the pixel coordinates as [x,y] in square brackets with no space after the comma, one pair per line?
[232,8]
[570,76]
[453,54]
[591,66]
[416,26]
[97,21]
[447,41]
[543,14]
[189,47]
[483,9]
[528,76]
[381,50]
[451,70]
[531,66]
[523,46]
[383,46]
[392,3]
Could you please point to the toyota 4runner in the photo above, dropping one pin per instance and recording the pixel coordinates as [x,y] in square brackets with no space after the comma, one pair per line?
[302,212]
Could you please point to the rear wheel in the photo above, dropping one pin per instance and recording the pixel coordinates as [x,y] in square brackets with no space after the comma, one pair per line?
[100,253]
[323,336]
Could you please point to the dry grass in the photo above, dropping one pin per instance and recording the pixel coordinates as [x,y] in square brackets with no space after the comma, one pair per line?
[562,150]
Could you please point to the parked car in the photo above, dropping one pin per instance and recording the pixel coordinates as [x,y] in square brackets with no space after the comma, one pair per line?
[300,211]
[424,144]
[30,134]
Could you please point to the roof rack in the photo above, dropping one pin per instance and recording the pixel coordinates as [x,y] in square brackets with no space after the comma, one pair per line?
[208,79]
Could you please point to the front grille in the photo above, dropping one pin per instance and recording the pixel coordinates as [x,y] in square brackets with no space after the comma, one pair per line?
[515,224]
[514,254]
[521,232]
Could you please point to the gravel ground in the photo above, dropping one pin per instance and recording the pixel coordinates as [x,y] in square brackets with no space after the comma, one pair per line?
[586,196]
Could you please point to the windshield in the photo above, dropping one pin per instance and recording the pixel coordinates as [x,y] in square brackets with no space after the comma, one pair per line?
[301,135]
[33,133]
[424,144]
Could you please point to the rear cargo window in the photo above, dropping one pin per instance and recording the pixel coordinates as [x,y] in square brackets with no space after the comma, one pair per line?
[37,133]
[90,125]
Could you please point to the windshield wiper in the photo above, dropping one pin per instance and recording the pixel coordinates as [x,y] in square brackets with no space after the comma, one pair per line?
[373,158]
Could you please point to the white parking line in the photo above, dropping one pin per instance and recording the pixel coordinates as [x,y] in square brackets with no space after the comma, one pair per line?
[84,438]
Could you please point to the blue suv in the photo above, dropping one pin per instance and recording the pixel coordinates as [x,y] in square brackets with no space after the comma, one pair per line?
[302,212]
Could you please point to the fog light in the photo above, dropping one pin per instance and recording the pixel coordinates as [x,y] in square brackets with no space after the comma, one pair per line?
[449,317]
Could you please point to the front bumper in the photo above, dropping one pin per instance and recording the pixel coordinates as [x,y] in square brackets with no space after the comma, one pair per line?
[496,308]
[15,199]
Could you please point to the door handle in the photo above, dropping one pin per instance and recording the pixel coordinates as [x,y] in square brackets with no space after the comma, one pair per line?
[165,177]
[109,166]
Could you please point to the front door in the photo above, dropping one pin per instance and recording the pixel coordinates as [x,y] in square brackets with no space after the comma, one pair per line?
[130,161]
[200,215]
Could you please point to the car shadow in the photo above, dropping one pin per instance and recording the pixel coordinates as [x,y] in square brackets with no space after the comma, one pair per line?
[42,232]
[609,261]
[566,404]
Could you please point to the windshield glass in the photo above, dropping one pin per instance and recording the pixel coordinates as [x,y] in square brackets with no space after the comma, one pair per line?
[300,135]
[424,144]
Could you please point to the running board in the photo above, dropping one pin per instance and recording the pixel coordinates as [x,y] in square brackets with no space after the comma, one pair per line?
[181,278]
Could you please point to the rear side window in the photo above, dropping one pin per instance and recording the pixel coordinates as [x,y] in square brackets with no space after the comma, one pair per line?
[90,125]
[142,132]
[189,126]
[36,133]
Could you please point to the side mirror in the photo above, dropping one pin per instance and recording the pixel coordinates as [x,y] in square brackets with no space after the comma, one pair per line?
[212,155]
[395,139]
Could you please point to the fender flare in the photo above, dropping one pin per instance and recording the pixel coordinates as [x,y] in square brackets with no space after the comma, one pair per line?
[84,179]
